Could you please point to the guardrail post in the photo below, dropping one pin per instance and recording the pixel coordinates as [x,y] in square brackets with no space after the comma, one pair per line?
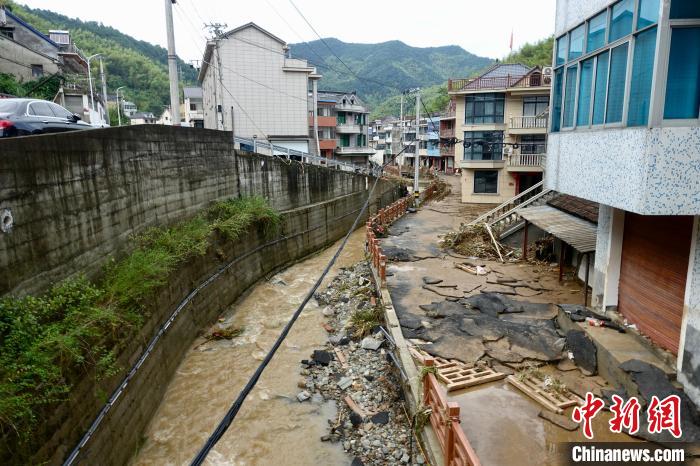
[452,415]
[382,268]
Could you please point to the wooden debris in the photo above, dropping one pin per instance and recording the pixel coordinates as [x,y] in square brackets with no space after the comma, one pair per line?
[341,357]
[416,355]
[356,408]
[534,388]
[559,420]
[495,243]
[327,327]
[459,376]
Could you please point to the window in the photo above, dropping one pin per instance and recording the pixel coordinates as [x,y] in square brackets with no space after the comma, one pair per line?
[621,19]
[193,107]
[561,50]
[40,109]
[536,105]
[648,13]
[7,32]
[484,108]
[642,71]
[596,32]
[685,9]
[601,84]
[60,111]
[486,182]
[683,82]
[570,96]
[483,145]
[341,118]
[344,140]
[576,42]
[533,144]
[37,71]
[616,84]
[584,93]
[556,93]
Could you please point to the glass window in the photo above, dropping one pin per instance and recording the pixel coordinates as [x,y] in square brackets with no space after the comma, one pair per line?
[596,32]
[561,50]
[616,84]
[483,145]
[40,109]
[576,42]
[601,84]
[486,182]
[570,96]
[556,95]
[642,70]
[685,9]
[533,144]
[683,82]
[484,108]
[584,93]
[60,111]
[621,19]
[648,13]
[535,105]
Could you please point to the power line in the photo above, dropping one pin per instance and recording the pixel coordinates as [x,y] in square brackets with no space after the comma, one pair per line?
[230,415]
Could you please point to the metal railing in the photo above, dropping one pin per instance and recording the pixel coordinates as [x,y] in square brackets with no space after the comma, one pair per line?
[347,128]
[527,160]
[528,122]
[507,205]
[265,148]
[498,82]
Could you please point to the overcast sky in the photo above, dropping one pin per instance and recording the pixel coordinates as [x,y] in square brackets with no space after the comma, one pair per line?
[482,27]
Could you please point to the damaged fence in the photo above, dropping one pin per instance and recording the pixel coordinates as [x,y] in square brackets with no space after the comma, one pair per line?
[444,418]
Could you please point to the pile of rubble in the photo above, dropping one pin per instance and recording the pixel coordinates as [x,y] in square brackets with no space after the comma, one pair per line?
[474,241]
[356,370]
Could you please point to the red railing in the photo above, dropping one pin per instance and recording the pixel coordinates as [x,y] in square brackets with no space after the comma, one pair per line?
[444,418]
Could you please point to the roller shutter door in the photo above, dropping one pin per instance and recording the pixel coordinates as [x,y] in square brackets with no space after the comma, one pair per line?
[653,272]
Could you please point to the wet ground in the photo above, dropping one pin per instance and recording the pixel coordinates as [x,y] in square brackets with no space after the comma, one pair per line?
[272,427]
[429,294]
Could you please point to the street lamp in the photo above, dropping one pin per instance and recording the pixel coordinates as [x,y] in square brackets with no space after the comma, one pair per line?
[92,97]
[119,110]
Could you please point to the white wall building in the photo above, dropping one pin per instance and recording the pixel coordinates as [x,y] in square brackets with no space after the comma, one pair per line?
[250,85]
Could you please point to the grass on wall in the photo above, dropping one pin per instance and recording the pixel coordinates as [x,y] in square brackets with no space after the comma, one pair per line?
[49,342]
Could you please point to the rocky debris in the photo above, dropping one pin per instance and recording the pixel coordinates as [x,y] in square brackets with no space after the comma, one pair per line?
[397,254]
[566,365]
[559,420]
[652,381]
[303,396]
[584,351]
[579,313]
[370,421]
[431,280]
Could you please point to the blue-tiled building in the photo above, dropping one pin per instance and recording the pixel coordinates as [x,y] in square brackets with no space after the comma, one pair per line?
[625,132]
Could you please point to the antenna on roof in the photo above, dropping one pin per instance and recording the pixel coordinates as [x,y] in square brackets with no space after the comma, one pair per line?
[217,29]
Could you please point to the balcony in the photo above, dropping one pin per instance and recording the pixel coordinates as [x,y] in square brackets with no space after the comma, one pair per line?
[498,82]
[354,150]
[327,143]
[323,121]
[527,162]
[447,133]
[447,151]
[350,107]
[528,124]
[348,128]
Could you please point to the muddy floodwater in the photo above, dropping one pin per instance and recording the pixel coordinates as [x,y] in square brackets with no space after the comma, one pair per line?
[272,427]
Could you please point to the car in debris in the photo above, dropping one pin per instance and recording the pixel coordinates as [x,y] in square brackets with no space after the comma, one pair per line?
[24,117]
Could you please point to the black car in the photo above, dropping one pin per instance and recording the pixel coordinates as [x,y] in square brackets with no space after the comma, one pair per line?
[22,117]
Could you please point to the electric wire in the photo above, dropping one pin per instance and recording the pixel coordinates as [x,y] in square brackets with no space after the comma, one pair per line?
[230,415]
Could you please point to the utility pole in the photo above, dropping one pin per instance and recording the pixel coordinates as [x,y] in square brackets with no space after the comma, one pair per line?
[400,161]
[119,106]
[416,159]
[104,89]
[172,64]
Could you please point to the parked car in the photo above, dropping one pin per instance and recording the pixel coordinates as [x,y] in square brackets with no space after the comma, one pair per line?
[23,117]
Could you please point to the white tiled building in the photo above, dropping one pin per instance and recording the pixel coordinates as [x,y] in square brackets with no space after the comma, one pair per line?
[625,132]
[246,74]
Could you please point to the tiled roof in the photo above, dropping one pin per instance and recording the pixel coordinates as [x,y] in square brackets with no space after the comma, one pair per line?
[506,69]
[576,206]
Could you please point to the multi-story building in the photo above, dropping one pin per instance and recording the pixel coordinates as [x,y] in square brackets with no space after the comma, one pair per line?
[25,52]
[250,85]
[193,113]
[448,138]
[625,133]
[501,118]
[342,127]
[128,108]
[390,136]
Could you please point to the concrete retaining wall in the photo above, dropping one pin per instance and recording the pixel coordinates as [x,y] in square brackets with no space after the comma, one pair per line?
[76,197]
[94,190]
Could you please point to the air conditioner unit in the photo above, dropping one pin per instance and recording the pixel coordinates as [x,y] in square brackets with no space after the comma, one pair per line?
[547,71]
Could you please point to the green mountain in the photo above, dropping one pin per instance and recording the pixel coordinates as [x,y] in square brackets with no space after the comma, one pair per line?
[380,71]
[539,53]
[138,65]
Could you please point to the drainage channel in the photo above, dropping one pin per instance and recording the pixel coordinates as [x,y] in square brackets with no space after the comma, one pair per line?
[272,427]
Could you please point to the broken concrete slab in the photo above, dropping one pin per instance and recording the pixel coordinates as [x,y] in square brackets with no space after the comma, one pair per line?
[303,396]
[321,357]
[463,348]
[370,343]
[502,289]
[380,418]
[566,365]
[526,292]
[445,292]
[488,303]
[441,309]
[584,351]
[559,420]
[500,351]
[432,280]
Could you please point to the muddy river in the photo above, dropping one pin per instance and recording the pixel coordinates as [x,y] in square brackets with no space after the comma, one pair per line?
[272,427]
